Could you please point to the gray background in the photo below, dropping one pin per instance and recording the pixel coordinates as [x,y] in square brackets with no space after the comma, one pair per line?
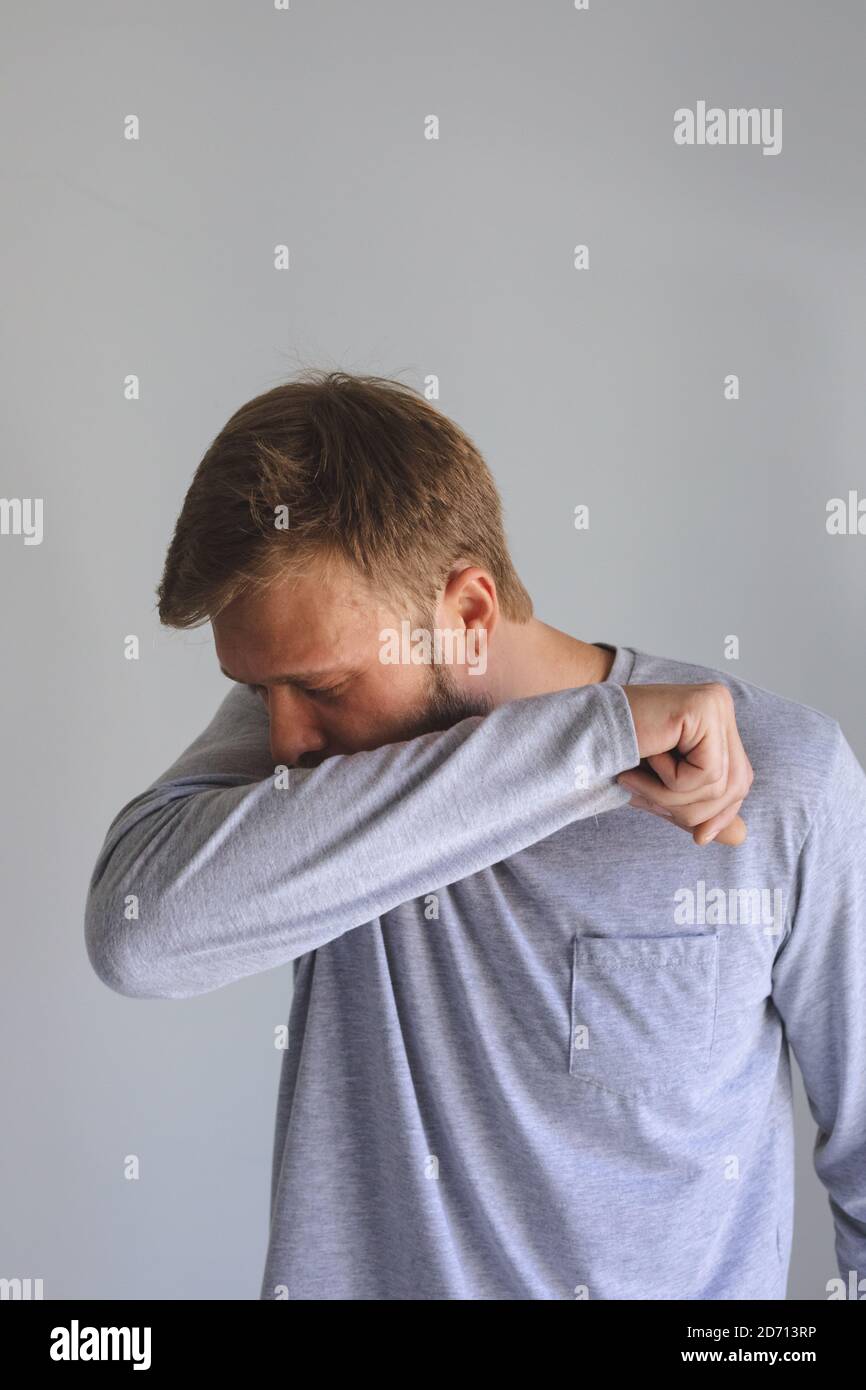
[408,257]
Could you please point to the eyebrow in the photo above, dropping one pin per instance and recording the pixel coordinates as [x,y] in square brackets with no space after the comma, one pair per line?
[301,678]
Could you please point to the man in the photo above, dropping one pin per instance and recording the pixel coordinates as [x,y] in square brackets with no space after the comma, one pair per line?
[537,1046]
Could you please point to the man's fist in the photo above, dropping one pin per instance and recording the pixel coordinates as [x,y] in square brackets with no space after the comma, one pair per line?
[698,774]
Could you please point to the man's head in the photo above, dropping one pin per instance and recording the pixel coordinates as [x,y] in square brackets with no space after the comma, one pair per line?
[327,513]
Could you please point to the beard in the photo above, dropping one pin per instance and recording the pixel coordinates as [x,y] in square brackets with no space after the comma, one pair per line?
[444,705]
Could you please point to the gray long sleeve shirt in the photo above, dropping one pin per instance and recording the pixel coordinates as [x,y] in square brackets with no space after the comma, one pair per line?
[538,1044]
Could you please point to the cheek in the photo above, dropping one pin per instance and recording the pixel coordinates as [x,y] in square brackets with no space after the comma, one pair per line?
[385,697]
[399,688]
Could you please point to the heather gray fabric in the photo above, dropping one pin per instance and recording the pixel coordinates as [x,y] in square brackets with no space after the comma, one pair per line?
[537,1039]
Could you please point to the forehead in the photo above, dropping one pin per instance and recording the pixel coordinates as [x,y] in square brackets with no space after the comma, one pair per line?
[308,622]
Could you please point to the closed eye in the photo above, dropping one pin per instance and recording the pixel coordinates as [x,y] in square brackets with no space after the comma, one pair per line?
[326,692]
[318,692]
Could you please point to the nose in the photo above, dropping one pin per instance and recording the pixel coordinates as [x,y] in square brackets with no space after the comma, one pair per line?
[295,735]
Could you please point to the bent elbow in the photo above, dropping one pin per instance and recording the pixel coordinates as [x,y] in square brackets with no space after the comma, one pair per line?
[122,955]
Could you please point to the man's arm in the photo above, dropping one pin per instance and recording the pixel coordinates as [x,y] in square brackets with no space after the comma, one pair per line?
[233,870]
[819,988]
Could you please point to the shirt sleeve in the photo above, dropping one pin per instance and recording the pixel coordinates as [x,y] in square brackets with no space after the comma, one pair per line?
[225,866]
[819,988]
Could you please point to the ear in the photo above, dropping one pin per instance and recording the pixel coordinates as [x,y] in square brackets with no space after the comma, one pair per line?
[468,600]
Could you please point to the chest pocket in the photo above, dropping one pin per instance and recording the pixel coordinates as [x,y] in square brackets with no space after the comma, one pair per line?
[643,1010]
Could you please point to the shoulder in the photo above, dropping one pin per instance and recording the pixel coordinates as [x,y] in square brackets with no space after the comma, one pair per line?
[796,751]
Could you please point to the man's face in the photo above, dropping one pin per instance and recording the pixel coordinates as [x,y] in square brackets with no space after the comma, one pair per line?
[322,632]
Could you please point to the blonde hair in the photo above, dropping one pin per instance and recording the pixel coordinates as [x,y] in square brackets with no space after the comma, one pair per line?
[366,469]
